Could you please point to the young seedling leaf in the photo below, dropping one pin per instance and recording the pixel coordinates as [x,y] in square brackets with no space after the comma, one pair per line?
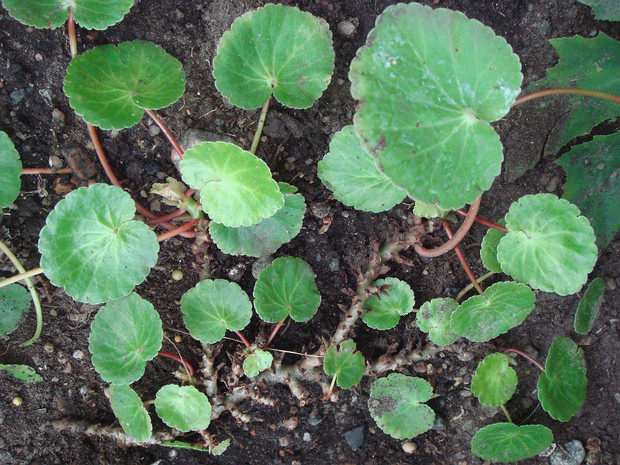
[562,387]
[346,364]
[212,307]
[110,86]
[23,373]
[427,104]
[92,246]
[351,174]
[507,442]
[424,210]
[394,299]
[236,187]
[184,445]
[434,318]
[276,49]
[259,360]
[220,448]
[10,171]
[125,334]
[131,413]
[14,301]
[90,14]
[589,306]
[266,236]
[494,382]
[549,245]
[502,307]
[604,10]
[488,248]
[593,184]
[286,288]
[396,404]
[183,407]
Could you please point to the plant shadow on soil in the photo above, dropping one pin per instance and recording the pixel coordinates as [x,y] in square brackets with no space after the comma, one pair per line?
[33,64]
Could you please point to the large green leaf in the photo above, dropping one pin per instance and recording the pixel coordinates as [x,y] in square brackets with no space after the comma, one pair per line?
[266,236]
[589,306]
[275,49]
[212,307]
[396,404]
[507,442]
[14,301]
[10,171]
[22,372]
[91,14]
[593,184]
[434,318]
[394,299]
[549,245]
[562,387]
[236,187]
[502,307]
[494,381]
[125,334]
[92,246]
[346,364]
[351,174]
[604,10]
[183,407]
[110,86]
[286,288]
[131,413]
[430,81]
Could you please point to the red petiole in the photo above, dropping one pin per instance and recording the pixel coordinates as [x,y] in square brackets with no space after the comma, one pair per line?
[188,367]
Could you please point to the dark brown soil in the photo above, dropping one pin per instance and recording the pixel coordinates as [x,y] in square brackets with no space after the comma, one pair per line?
[32,66]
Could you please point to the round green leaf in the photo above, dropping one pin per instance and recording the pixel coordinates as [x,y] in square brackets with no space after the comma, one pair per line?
[393,300]
[507,442]
[562,387]
[23,373]
[131,413]
[494,381]
[125,334]
[90,14]
[286,288]
[276,49]
[236,187]
[424,210]
[430,81]
[212,307]
[502,307]
[183,407]
[92,246]
[351,174]
[10,171]
[549,245]
[345,364]
[266,236]
[434,318]
[14,301]
[589,306]
[396,404]
[488,248]
[111,86]
[257,361]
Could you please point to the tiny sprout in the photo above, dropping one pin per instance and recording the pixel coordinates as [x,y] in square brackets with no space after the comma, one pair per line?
[17,401]
[177,275]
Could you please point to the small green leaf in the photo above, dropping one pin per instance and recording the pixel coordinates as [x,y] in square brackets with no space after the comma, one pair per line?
[562,387]
[110,86]
[236,187]
[351,174]
[14,301]
[548,246]
[494,382]
[185,445]
[221,447]
[10,171]
[394,299]
[23,373]
[589,306]
[212,307]
[92,246]
[346,364]
[396,404]
[125,334]
[276,49]
[265,237]
[259,360]
[502,307]
[183,407]
[131,413]
[286,288]
[488,248]
[604,10]
[593,184]
[424,210]
[507,442]
[434,319]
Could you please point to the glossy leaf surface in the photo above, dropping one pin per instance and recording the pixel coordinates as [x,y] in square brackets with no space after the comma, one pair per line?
[507,442]
[131,413]
[346,364]
[589,306]
[394,299]
[604,10]
[14,301]
[10,171]
[434,319]
[22,372]
[183,407]
[494,382]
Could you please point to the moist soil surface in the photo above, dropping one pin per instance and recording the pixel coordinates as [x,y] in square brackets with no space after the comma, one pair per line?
[49,427]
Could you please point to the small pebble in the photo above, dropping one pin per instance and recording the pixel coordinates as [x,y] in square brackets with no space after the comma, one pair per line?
[38,57]
[177,338]
[346,28]
[355,437]
[307,437]
[48,347]
[409,447]
[154,130]
[177,275]
[17,401]
[83,390]
[573,453]
[78,355]
[236,272]
[284,441]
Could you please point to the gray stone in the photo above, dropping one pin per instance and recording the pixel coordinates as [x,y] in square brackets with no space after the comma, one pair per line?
[355,437]
[573,453]
[17,96]
[438,424]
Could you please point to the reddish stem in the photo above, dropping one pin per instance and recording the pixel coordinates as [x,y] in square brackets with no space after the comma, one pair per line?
[459,254]
[71,32]
[166,131]
[482,221]
[526,356]
[564,91]
[178,231]
[47,171]
[243,339]
[168,217]
[274,331]
[188,367]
